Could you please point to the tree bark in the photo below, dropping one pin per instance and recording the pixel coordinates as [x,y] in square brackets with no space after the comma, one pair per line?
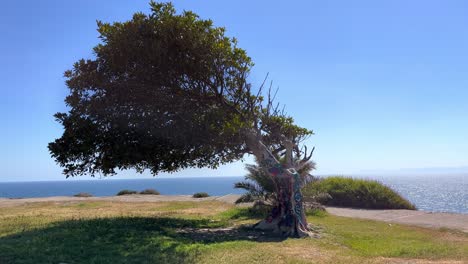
[287,217]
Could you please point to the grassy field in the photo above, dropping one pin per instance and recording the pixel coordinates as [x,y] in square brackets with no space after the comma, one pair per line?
[206,232]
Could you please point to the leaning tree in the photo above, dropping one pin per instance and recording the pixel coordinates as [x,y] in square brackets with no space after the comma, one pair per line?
[167,91]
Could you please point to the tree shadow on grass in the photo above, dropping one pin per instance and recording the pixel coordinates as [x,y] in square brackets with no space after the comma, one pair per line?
[120,240]
[214,235]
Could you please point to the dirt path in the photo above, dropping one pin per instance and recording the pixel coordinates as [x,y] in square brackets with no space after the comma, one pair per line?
[6,202]
[410,217]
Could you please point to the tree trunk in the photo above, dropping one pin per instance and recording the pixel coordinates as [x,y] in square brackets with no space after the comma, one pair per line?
[287,217]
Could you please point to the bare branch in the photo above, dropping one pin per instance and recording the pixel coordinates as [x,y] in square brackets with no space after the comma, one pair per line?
[308,157]
[264,81]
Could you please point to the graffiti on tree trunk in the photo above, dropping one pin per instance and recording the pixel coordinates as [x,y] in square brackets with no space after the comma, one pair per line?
[288,184]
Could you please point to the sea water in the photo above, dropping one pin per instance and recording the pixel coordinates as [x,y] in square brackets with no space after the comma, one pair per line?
[436,193]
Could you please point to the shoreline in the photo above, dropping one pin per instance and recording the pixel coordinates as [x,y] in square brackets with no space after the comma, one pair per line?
[426,219]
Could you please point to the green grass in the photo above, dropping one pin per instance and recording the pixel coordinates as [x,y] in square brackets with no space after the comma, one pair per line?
[373,238]
[358,193]
[204,232]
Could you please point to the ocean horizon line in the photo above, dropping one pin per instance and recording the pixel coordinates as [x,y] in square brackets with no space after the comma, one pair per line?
[359,175]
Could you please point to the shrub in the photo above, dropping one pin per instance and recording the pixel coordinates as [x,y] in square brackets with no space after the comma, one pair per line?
[126,192]
[200,195]
[150,191]
[359,193]
[83,194]
[260,186]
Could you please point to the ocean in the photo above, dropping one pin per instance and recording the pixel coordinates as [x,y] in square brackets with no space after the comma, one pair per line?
[436,193]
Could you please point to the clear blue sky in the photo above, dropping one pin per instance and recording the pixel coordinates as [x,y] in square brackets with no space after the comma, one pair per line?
[383,84]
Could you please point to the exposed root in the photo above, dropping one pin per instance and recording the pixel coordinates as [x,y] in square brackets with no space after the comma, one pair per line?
[271,226]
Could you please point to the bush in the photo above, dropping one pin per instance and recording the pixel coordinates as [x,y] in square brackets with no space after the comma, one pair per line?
[200,195]
[83,194]
[150,191]
[126,192]
[359,193]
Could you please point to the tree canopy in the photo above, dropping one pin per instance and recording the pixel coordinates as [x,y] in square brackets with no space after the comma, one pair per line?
[164,91]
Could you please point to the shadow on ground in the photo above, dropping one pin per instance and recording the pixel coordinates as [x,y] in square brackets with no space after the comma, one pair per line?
[120,240]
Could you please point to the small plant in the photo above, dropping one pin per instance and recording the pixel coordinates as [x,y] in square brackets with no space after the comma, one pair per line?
[317,212]
[126,192]
[83,194]
[150,191]
[200,195]
[259,186]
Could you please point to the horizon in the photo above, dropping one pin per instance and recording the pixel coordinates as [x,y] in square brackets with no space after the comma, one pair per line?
[382,85]
[407,172]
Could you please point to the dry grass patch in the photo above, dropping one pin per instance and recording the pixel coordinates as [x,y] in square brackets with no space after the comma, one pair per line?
[289,251]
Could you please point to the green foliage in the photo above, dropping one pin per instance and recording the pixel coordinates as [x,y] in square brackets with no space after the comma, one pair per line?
[200,195]
[126,192]
[359,193]
[83,194]
[278,126]
[150,191]
[260,186]
[164,92]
